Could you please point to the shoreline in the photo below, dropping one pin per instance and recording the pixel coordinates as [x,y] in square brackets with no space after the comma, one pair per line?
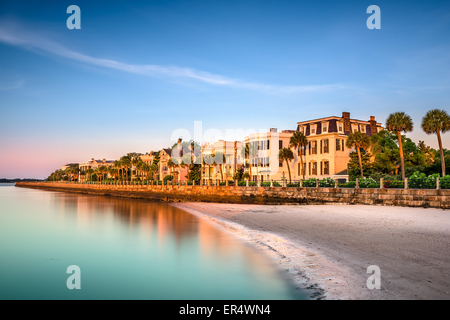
[308,270]
[326,250]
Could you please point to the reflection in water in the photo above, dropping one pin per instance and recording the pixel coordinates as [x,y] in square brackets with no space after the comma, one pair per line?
[128,249]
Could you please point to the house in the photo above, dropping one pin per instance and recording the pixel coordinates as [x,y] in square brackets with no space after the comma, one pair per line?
[262,162]
[92,164]
[217,169]
[326,154]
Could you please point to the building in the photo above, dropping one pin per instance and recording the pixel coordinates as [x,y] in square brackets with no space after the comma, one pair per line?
[92,164]
[179,172]
[263,150]
[326,154]
[218,169]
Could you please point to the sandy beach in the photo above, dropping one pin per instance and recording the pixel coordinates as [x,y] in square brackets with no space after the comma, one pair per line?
[326,249]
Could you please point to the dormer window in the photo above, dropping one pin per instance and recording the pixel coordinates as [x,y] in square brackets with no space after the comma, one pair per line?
[340,126]
[363,129]
[324,127]
[313,129]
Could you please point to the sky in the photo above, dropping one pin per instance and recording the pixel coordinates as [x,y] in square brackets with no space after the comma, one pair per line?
[136,71]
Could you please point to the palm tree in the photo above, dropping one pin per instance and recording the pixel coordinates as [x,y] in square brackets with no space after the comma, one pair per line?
[153,169]
[118,166]
[249,152]
[358,140]
[90,171]
[171,164]
[288,155]
[400,122]
[134,162]
[299,140]
[126,163]
[220,159]
[437,121]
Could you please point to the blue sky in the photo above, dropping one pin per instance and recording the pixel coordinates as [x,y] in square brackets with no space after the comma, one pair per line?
[135,72]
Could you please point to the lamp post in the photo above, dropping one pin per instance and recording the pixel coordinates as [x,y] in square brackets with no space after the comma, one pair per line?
[284,180]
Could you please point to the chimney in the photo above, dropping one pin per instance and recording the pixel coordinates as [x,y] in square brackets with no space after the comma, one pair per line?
[373,125]
[346,119]
[273,129]
[92,159]
[104,160]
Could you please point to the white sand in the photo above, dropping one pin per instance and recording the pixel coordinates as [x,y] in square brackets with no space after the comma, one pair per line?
[327,248]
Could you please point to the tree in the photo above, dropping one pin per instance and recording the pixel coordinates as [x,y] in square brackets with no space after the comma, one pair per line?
[118,166]
[354,166]
[171,164]
[220,159]
[287,155]
[299,140]
[126,163]
[400,122]
[359,141]
[249,152]
[434,122]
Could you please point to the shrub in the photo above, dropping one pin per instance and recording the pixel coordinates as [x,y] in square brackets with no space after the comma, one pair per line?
[445,182]
[265,184]
[350,184]
[295,184]
[168,177]
[242,184]
[326,183]
[394,184]
[252,184]
[311,182]
[369,183]
[421,181]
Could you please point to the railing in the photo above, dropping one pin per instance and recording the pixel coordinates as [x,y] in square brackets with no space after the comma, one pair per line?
[430,183]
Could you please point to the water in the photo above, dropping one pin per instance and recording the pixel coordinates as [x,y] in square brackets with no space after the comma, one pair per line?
[125,249]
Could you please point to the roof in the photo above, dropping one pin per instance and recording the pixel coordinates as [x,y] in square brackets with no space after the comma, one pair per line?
[342,173]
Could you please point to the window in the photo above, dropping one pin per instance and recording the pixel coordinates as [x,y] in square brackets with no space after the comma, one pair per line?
[268,144]
[338,144]
[363,129]
[301,171]
[313,131]
[340,127]
[324,128]
[314,168]
[326,168]
[325,146]
[314,147]
[280,142]
[280,164]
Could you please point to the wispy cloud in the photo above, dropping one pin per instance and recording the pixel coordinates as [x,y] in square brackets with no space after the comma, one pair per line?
[15,34]
[12,85]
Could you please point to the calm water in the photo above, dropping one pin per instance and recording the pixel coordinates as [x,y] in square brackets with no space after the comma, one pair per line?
[126,249]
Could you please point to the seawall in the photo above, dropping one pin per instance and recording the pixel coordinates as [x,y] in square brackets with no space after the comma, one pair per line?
[259,195]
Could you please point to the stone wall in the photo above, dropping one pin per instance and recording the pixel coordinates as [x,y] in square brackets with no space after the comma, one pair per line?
[259,195]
